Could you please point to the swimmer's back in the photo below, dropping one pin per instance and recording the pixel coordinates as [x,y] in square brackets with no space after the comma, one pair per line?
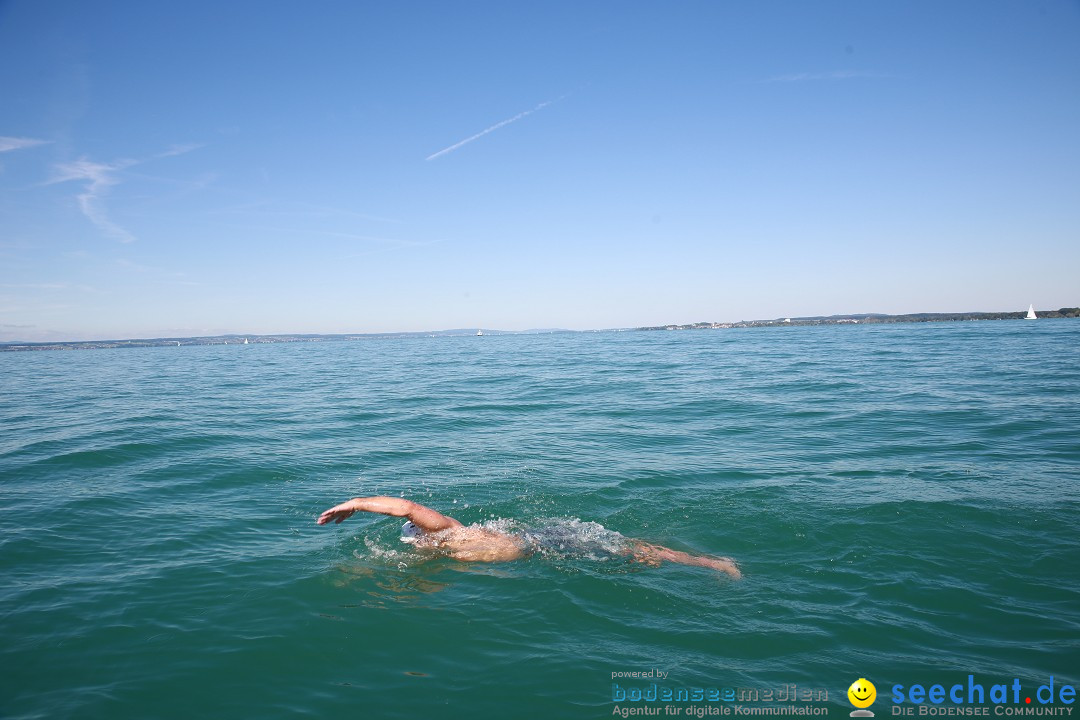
[474,544]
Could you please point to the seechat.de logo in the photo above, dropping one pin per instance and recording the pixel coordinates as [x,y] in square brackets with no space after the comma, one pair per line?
[862,694]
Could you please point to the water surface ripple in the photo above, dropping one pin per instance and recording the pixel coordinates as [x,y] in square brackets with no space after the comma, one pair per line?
[902,500]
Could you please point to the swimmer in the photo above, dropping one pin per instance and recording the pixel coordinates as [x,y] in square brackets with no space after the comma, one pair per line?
[431,530]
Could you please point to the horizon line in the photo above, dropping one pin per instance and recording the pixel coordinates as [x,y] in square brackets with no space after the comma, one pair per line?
[453,332]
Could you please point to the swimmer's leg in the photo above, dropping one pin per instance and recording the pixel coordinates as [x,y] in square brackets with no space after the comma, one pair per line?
[651,554]
[423,517]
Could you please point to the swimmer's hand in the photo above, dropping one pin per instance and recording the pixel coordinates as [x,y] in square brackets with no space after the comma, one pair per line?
[339,512]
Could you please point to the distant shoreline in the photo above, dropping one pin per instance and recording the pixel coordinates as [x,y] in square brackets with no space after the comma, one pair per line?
[871,318]
[255,339]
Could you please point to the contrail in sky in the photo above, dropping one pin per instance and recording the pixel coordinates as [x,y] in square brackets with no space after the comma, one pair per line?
[493,128]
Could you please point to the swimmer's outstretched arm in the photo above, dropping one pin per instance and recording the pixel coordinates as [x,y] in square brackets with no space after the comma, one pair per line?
[425,518]
[651,554]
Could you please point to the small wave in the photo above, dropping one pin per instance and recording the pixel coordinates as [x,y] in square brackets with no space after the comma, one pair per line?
[383,553]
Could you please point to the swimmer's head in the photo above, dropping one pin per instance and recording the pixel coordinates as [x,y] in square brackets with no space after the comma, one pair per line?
[409,531]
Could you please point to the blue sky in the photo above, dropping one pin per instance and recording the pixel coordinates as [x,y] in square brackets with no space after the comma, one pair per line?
[263,167]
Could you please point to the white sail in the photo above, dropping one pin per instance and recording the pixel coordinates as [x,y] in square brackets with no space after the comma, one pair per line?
[1031,313]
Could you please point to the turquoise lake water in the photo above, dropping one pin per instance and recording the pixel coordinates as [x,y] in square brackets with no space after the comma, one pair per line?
[901,498]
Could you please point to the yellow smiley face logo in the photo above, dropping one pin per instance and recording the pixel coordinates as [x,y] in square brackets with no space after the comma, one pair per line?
[862,693]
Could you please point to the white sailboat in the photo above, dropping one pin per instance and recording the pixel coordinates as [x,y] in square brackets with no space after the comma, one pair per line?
[479,333]
[1031,313]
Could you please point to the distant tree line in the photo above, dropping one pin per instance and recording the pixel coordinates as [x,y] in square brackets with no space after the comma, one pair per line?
[935,317]
[867,319]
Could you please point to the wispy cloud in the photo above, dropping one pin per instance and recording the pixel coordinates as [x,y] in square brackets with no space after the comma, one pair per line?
[493,128]
[132,265]
[835,75]
[99,178]
[388,241]
[161,275]
[49,286]
[306,211]
[179,150]
[34,286]
[307,233]
[13,143]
